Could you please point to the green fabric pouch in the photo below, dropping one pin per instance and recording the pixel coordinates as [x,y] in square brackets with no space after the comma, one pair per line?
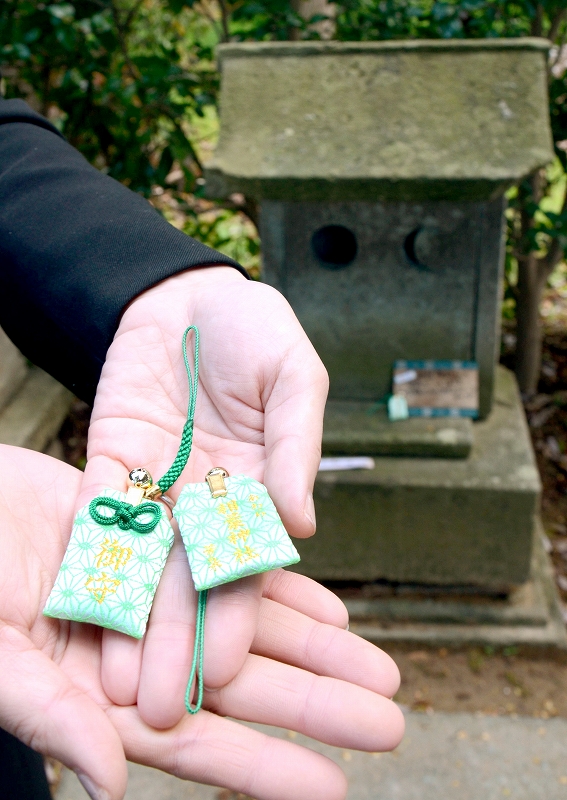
[235,534]
[111,570]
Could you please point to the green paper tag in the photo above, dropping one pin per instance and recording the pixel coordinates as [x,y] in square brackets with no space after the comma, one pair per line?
[233,536]
[109,576]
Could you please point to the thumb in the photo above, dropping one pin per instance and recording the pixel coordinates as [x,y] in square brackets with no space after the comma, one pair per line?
[42,707]
[293,430]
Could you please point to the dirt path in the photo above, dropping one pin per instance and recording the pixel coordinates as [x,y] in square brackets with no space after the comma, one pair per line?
[479,680]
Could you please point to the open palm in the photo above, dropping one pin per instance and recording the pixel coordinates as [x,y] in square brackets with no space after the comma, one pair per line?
[262,392]
[302,674]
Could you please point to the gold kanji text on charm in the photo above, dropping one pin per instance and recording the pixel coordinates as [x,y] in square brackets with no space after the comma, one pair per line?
[113,554]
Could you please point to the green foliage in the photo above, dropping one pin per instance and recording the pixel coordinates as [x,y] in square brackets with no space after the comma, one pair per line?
[425,19]
[127,81]
[261,20]
[231,233]
[120,79]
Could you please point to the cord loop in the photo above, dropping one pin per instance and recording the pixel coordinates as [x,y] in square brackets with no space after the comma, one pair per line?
[125,515]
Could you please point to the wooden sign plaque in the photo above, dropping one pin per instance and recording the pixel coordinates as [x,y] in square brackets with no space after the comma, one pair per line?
[438,388]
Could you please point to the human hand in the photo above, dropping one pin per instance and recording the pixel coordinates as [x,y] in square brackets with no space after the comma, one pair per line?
[303,674]
[259,412]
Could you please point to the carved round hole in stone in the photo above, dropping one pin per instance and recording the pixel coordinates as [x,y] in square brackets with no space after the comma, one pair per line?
[335,246]
[411,247]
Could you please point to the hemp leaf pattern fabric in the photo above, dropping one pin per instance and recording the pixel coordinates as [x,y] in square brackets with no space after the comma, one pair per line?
[233,536]
[109,576]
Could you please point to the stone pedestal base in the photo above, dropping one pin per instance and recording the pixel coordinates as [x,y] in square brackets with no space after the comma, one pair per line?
[530,616]
[466,522]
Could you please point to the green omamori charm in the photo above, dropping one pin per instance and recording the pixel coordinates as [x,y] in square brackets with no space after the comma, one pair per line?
[117,550]
[110,571]
[230,537]
[230,529]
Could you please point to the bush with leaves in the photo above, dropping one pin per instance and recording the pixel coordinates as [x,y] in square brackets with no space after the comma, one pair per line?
[125,81]
[120,79]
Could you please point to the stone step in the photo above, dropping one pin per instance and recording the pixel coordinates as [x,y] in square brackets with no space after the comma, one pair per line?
[13,369]
[35,413]
[356,428]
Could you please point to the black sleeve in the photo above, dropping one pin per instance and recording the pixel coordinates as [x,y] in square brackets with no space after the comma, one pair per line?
[75,248]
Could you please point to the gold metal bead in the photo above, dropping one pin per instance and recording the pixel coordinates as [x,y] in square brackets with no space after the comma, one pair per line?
[141,478]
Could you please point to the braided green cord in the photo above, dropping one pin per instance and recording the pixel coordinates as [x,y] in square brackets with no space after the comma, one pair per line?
[164,484]
[125,515]
[197,656]
[167,480]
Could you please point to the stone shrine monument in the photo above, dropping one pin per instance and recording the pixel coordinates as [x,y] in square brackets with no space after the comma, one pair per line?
[380,171]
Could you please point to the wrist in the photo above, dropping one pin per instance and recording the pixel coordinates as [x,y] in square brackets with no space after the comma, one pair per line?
[180,287]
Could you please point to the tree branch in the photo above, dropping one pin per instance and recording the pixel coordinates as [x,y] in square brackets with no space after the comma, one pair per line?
[167,113]
[211,17]
[224,20]
[537,24]
[556,24]
[132,13]
[122,32]
[554,255]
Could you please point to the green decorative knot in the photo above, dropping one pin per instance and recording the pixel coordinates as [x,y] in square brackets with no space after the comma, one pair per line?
[125,515]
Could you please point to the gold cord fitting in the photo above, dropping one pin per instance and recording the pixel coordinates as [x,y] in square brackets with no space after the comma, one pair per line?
[215,478]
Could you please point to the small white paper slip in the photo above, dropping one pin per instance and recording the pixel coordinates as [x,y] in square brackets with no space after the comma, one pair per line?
[338,463]
[405,377]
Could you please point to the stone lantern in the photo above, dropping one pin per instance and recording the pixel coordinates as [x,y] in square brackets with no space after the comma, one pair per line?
[380,171]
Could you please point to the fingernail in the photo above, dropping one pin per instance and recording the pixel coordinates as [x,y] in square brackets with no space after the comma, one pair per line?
[90,787]
[309,510]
